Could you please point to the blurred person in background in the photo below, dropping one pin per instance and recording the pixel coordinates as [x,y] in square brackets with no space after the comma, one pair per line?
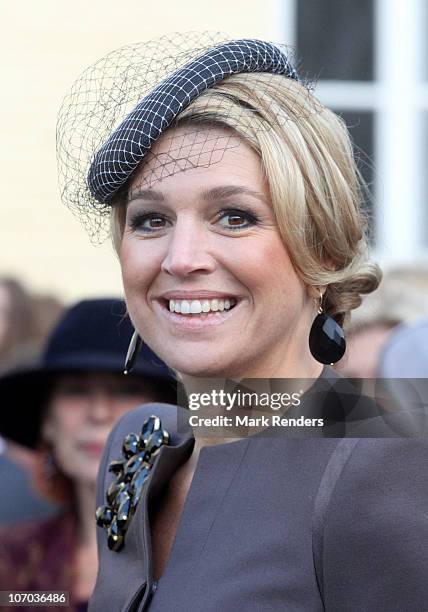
[26,320]
[64,408]
[403,370]
[25,323]
[16,318]
[402,298]
[22,502]
[405,355]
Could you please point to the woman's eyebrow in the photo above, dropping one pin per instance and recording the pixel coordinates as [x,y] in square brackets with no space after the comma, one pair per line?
[146,194]
[227,191]
[210,195]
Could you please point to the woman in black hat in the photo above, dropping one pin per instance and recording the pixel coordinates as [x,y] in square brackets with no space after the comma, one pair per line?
[64,407]
[236,211]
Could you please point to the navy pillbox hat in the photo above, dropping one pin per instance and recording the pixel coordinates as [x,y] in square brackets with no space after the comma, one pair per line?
[118,157]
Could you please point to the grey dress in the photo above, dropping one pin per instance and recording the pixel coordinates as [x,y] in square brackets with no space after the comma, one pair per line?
[276,524]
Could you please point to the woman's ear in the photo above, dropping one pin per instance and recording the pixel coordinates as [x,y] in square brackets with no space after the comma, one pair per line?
[315,291]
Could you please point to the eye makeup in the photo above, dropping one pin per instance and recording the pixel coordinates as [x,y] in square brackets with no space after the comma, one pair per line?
[228,218]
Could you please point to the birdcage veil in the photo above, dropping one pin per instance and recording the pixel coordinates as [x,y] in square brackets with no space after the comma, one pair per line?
[121,105]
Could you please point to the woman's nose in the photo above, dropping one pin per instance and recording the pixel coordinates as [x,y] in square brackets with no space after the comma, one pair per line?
[188,251]
[100,406]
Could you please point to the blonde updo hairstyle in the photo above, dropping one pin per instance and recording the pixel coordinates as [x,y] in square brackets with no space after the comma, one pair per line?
[315,186]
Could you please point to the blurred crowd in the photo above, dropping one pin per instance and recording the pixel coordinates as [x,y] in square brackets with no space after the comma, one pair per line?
[25,321]
[62,388]
[391,313]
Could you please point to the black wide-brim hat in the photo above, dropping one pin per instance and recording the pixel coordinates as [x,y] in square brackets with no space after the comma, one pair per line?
[92,336]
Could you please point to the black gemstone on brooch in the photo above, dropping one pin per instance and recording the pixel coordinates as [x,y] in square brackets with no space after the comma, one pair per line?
[122,496]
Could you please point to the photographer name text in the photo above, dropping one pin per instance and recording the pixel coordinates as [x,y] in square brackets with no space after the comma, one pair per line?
[237,420]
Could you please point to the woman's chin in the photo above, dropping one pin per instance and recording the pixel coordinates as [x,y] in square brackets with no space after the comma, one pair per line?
[203,368]
[89,479]
[85,472]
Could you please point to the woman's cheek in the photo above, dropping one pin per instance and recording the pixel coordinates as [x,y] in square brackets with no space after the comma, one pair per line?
[135,285]
[140,263]
[128,262]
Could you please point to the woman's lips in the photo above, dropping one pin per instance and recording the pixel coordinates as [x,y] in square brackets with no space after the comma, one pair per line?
[94,449]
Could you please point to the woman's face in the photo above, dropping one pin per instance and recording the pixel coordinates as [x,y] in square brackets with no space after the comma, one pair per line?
[82,409]
[207,239]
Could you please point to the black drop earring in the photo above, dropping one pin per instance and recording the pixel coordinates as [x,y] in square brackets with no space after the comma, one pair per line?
[132,354]
[326,339]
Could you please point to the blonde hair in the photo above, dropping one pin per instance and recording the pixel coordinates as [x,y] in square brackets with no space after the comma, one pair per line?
[315,186]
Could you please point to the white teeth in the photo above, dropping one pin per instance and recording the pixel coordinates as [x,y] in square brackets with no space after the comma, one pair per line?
[185,307]
[206,306]
[214,305]
[198,306]
[195,307]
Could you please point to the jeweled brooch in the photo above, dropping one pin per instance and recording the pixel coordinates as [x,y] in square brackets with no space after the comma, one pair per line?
[123,495]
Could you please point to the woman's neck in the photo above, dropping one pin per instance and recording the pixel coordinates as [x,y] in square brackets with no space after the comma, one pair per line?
[217,412]
[86,558]
[311,370]
[290,358]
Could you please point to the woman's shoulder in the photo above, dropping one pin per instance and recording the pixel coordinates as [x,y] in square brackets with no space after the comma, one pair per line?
[371,531]
[168,414]
[133,420]
[380,462]
[131,423]
[365,474]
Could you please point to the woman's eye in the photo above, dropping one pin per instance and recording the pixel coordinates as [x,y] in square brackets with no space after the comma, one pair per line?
[148,222]
[71,389]
[236,219]
[229,219]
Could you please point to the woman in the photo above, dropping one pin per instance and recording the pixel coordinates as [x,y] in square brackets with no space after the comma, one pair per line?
[235,207]
[64,407]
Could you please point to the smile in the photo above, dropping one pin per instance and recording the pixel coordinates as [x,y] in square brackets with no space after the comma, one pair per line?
[196,307]
[197,314]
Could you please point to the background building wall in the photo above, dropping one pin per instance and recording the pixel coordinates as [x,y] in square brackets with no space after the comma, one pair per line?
[44,46]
